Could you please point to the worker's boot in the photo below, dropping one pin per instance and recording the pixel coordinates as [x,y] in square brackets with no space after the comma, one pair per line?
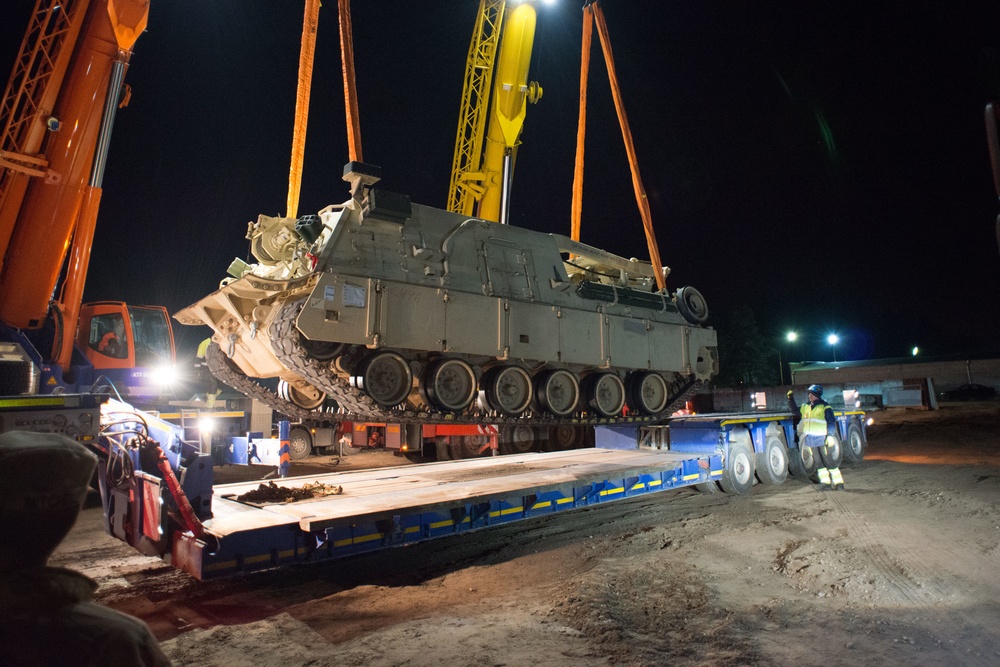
[824,480]
[836,479]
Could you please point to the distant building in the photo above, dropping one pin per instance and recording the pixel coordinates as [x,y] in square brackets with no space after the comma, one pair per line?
[894,381]
[947,372]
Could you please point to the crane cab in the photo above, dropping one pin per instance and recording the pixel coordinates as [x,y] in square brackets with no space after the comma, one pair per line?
[131,345]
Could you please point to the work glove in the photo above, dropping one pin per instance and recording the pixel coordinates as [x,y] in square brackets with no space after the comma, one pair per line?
[831,441]
[790,392]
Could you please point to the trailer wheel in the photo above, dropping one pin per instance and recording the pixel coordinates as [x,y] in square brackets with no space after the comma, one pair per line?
[737,475]
[708,487]
[419,457]
[516,439]
[566,436]
[835,452]
[802,462]
[772,463]
[854,450]
[299,442]
[467,446]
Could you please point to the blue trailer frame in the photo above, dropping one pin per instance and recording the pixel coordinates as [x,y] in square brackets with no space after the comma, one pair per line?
[397,506]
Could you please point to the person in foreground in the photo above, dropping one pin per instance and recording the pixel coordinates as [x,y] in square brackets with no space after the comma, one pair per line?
[46,616]
[818,429]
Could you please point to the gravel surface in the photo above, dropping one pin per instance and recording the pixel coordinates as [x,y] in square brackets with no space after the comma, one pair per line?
[899,569]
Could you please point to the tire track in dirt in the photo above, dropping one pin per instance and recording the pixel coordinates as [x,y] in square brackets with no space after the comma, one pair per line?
[913,582]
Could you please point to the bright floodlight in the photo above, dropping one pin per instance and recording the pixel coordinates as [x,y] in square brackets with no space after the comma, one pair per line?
[164,375]
[791,336]
[206,424]
[549,2]
[832,339]
[915,350]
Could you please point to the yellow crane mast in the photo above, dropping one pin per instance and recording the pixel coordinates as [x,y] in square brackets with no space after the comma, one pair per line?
[483,173]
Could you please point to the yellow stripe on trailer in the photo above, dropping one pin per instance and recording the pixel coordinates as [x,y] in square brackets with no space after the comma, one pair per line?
[31,401]
[749,420]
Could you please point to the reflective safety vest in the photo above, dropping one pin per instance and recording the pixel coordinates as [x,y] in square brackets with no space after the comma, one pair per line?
[814,419]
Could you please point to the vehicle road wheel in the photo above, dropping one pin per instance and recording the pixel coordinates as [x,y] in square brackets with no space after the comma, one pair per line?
[299,442]
[647,392]
[308,399]
[772,463]
[506,389]
[737,475]
[802,462]
[692,305]
[708,487]
[385,377]
[558,392]
[322,350]
[606,394]
[449,384]
[854,449]
[517,439]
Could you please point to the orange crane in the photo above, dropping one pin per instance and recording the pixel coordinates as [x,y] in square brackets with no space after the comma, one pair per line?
[55,125]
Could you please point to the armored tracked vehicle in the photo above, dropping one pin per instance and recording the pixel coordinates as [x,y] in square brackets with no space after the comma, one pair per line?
[402,312]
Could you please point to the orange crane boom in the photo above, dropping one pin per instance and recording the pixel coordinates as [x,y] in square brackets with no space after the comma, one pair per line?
[45,217]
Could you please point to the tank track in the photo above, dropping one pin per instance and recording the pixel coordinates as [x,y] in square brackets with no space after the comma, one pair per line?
[289,351]
[222,369]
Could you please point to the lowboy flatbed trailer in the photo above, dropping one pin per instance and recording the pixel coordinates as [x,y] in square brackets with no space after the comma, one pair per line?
[402,505]
[159,496]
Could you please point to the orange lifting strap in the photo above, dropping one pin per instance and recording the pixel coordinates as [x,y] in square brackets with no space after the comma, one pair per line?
[576,208]
[350,88]
[593,9]
[307,54]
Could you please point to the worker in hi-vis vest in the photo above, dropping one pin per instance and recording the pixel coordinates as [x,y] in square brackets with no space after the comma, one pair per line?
[818,428]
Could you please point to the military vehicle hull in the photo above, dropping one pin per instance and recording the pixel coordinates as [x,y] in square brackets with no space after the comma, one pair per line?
[398,310]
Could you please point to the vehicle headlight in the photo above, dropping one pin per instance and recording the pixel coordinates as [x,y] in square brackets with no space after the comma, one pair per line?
[165,375]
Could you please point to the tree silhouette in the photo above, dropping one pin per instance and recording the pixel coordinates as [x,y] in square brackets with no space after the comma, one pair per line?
[745,354]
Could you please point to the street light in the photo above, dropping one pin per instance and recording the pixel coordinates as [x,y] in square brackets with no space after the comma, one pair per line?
[791,337]
[832,341]
[915,350]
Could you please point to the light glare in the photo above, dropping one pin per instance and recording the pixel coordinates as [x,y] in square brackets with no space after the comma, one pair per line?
[164,375]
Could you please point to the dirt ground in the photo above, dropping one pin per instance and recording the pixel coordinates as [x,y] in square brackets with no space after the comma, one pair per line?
[899,569]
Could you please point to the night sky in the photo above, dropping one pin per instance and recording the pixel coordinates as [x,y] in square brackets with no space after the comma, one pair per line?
[823,163]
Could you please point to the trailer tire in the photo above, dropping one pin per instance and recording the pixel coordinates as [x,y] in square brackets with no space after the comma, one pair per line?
[16,377]
[854,448]
[708,487]
[737,474]
[419,457]
[517,439]
[802,462]
[299,442]
[772,463]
